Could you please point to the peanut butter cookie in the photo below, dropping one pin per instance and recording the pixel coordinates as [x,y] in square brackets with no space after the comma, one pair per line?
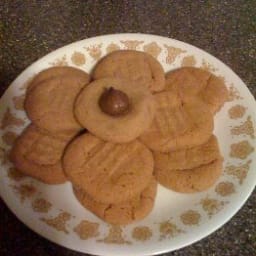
[123,213]
[190,81]
[49,103]
[38,154]
[115,110]
[136,66]
[177,124]
[109,173]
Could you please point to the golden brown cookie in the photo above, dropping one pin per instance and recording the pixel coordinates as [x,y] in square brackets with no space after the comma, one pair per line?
[121,128]
[188,158]
[136,66]
[178,125]
[190,81]
[49,104]
[53,72]
[39,154]
[109,173]
[124,213]
[192,180]
[189,170]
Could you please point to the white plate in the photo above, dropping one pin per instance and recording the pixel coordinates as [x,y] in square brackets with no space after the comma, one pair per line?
[177,219]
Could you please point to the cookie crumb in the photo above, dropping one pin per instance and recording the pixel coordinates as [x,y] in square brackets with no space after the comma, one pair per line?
[15,175]
[245,129]
[225,188]
[153,49]
[236,111]
[41,205]
[188,61]
[86,229]
[25,191]
[239,171]
[172,53]
[78,58]
[59,222]
[114,236]
[142,233]
[241,149]
[10,120]
[9,137]
[190,218]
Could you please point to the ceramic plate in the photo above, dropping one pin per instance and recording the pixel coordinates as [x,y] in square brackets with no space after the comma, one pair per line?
[177,220]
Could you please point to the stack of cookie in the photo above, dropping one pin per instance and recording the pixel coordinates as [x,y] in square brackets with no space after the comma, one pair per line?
[115,136]
[49,105]
[186,153]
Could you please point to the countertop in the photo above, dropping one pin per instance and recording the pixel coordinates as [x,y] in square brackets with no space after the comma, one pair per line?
[30,29]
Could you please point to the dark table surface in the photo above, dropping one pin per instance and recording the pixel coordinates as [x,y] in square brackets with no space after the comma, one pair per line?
[227,29]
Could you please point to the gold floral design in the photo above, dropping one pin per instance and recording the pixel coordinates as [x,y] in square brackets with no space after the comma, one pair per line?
[112,47]
[239,171]
[233,94]
[225,188]
[245,129]
[241,149]
[190,217]
[62,61]
[236,111]
[153,49]
[94,51]
[25,191]
[188,61]
[211,206]
[168,229]
[78,58]
[208,66]
[59,222]
[10,120]
[142,233]
[172,53]
[131,44]
[41,205]
[114,236]
[86,229]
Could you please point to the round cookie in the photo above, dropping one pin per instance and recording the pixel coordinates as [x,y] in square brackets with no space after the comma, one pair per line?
[192,180]
[124,213]
[49,104]
[191,170]
[107,172]
[60,71]
[38,154]
[136,66]
[177,124]
[188,158]
[120,129]
[190,81]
